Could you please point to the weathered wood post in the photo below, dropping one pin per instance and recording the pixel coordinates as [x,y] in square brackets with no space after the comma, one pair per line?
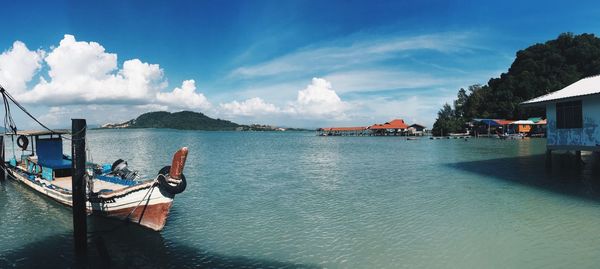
[78,184]
[548,159]
[578,160]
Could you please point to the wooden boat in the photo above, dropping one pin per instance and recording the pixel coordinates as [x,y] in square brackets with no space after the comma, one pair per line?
[512,136]
[112,190]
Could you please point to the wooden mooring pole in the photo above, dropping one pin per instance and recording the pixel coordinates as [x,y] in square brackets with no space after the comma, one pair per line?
[78,127]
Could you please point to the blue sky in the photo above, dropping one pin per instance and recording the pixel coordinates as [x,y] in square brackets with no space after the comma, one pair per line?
[290,63]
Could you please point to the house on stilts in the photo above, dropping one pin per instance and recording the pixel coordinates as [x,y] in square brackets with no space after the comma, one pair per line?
[395,127]
[573,117]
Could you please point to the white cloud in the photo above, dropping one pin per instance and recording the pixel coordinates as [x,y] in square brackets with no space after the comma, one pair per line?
[250,107]
[83,73]
[152,107]
[18,66]
[83,79]
[327,58]
[413,109]
[80,72]
[184,97]
[319,99]
[74,59]
[375,80]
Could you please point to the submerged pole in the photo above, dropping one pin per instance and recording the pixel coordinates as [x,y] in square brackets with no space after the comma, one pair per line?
[78,188]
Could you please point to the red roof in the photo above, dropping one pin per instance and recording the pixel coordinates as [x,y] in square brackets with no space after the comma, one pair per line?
[504,122]
[395,124]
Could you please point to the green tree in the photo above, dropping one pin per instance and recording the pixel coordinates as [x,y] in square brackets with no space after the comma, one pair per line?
[459,103]
[537,70]
[447,122]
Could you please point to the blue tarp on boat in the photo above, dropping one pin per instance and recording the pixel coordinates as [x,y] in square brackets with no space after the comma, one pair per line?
[489,122]
[50,154]
[56,164]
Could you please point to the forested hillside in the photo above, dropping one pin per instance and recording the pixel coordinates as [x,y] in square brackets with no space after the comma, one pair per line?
[537,70]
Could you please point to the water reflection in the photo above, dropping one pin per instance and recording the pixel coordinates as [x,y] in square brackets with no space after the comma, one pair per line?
[126,246]
[566,176]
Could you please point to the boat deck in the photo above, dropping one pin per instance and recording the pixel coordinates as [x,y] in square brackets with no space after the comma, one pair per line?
[65,183]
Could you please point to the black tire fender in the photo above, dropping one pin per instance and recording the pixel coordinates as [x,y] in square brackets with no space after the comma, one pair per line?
[23,142]
[169,187]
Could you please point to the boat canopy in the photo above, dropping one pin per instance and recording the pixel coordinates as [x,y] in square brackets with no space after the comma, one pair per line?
[523,122]
[38,132]
[489,122]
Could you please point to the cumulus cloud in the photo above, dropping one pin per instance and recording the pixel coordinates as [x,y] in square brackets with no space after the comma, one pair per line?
[82,79]
[319,99]
[250,107]
[84,73]
[184,97]
[18,66]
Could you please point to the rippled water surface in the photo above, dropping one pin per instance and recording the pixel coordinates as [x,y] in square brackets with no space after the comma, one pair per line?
[271,200]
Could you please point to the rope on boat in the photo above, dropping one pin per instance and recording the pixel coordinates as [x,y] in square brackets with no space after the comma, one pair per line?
[125,222]
[6,95]
[8,119]
[148,192]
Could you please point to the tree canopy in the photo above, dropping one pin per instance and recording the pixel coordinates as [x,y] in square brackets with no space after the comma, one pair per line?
[539,69]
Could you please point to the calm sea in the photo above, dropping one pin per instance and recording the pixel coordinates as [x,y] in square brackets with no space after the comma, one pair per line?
[273,200]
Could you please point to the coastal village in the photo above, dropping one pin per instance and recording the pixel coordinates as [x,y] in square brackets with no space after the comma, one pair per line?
[499,128]
[570,123]
[396,127]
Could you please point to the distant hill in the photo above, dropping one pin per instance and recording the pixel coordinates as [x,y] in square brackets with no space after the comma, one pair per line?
[184,120]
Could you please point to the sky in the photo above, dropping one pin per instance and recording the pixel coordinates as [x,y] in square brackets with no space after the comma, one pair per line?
[285,63]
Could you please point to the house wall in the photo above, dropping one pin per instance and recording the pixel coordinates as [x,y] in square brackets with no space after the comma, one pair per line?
[589,135]
[524,128]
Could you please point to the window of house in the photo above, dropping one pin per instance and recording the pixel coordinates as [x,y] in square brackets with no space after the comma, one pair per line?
[569,115]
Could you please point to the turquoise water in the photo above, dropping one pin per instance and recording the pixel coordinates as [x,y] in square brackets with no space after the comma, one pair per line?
[273,200]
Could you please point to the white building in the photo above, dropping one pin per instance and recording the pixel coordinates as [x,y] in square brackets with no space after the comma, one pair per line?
[573,115]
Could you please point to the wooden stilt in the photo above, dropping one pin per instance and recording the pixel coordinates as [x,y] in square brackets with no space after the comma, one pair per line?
[578,160]
[548,158]
[78,189]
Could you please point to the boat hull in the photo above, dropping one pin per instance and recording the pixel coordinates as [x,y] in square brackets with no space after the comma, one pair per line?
[145,204]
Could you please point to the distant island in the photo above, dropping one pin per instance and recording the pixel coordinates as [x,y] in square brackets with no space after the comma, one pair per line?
[189,120]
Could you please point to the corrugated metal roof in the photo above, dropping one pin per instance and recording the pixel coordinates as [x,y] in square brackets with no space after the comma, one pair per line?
[523,122]
[39,132]
[493,122]
[418,125]
[584,86]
